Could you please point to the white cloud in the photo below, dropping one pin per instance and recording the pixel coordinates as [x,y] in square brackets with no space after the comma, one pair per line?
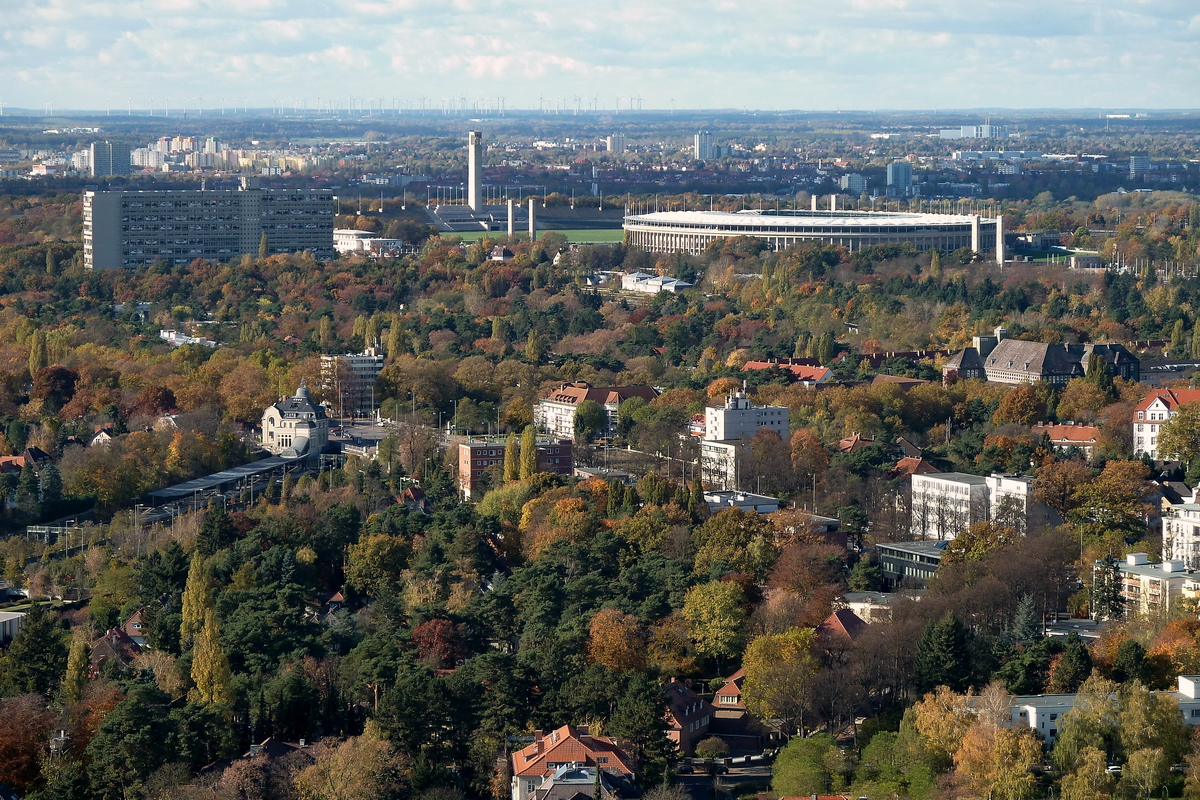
[712,53]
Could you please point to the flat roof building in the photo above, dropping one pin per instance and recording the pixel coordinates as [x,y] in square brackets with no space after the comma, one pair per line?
[475,457]
[131,228]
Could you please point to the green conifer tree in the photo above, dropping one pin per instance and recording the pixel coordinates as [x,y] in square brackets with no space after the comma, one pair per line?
[942,657]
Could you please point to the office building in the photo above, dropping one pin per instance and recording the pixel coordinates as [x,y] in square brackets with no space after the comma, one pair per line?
[853,183]
[738,418]
[909,565]
[900,176]
[349,382]
[131,228]
[986,131]
[998,359]
[615,143]
[945,504]
[702,146]
[476,456]
[1138,166]
[109,158]
[1181,535]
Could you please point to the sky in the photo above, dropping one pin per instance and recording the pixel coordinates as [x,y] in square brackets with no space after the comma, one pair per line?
[687,54]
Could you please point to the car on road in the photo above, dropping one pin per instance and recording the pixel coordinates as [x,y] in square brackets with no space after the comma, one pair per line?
[685,769]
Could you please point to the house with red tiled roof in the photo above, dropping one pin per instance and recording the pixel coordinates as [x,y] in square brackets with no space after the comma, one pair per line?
[555,412]
[852,443]
[842,623]
[807,374]
[1149,415]
[730,694]
[1067,436]
[135,629]
[909,466]
[570,744]
[688,715]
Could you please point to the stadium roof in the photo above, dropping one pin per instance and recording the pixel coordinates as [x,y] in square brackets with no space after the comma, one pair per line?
[218,479]
[802,219]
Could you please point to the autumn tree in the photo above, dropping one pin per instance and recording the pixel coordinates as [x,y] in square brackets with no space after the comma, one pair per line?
[360,768]
[942,718]
[616,640]
[1023,405]
[374,565]
[25,725]
[529,463]
[1057,482]
[1090,779]
[197,599]
[714,615]
[512,461]
[778,667]
[1179,436]
[210,666]
[997,761]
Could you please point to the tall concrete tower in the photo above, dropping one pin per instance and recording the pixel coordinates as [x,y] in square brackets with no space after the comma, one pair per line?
[532,222]
[475,171]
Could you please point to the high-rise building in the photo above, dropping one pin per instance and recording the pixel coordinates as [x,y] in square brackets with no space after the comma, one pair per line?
[853,183]
[349,381]
[615,143]
[130,228]
[900,175]
[109,158]
[1138,166]
[702,146]
[475,171]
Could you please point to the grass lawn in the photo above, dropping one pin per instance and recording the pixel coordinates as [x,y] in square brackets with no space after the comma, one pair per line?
[609,236]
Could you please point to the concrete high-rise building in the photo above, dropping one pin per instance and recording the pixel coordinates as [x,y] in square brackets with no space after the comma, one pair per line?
[532,221]
[130,228]
[349,381]
[702,146]
[1138,166]
[475,171]
[615,143]
[899,175]
[853,183]
[109,158]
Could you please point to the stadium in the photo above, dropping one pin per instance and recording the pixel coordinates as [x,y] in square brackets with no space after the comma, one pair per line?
[693,231]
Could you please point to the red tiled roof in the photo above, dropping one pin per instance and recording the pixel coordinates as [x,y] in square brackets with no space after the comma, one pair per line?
[842,622]
[1172,398]
[911,465]
[576,393]
[1068,434]
[854,442]
[802,372]
[569,744]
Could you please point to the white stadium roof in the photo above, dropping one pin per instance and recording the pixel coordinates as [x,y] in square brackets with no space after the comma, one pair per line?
[803,219]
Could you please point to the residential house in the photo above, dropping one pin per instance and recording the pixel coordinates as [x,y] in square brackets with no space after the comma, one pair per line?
[871,607]
[555,412]
[746,501]
[805,374]
[1068,436]
[577,782]
[652,284]
[688,715]
[843,624]
[1149,415]
[413,498]
[135,630]
[114,647]
[912,465]
[271,750]
[730,693]
[854,442]
[570,744]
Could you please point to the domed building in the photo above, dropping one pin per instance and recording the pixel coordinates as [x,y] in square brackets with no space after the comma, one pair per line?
[295,426]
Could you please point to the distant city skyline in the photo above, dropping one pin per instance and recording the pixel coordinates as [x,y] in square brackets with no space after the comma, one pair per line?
[798,54]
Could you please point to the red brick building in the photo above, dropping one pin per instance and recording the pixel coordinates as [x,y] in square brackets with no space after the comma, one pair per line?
[475,457]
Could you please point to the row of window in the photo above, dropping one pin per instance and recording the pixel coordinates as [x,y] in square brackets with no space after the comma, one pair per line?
[1154,416]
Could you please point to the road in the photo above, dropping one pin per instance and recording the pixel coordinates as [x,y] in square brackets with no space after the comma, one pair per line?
[700,785]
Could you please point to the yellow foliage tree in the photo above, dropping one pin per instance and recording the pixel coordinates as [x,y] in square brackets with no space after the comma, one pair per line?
[210,666]
[616,640]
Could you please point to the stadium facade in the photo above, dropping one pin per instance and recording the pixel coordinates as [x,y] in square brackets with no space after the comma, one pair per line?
[693,231]
[130,228]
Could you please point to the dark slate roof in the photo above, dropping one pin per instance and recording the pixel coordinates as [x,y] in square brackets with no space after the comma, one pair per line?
[1033,358]
[965,359]
[300,403]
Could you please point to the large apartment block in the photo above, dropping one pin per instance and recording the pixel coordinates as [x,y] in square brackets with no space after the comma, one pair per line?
[945,504]
[555,456]
[349,380]
[131,228]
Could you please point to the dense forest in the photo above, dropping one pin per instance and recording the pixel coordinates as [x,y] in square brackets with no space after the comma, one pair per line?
[415,648]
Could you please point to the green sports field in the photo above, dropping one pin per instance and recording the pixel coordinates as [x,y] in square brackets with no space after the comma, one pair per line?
[574,237]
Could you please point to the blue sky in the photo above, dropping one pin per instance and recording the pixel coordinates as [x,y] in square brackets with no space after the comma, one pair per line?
[769,54]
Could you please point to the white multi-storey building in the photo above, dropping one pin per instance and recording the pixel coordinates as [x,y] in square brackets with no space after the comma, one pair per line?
[1149,415]
[130,228]
[1181,535]
[946,503]
[349,381]
[702,146]
[739,418]
[555,412]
